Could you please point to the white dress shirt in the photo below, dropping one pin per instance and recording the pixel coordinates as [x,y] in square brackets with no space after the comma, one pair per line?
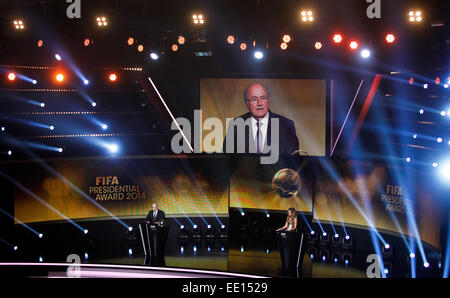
[264,124]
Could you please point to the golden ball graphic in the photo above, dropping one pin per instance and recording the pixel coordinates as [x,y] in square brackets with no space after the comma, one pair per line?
[286,183]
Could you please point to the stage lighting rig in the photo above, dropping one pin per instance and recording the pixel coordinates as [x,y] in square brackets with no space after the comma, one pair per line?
[181,39]
[415,16]
[390,38]
[306,16]
[210,231]
[231,39]
[183,233]
[198,19]
[19,24]
[223,232]
[337,38]
[102,21]
[196,232]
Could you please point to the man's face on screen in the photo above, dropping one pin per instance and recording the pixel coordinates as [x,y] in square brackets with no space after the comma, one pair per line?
[257,100]
[154,207]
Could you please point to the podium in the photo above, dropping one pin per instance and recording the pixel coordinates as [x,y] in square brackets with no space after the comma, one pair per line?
[290,243]
[154,238]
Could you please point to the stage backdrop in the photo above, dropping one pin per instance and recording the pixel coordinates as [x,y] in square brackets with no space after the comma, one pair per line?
[301,100]
[386,196]
[125,187]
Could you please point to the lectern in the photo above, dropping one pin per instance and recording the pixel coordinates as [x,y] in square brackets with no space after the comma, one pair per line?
[154,238]
[290,248]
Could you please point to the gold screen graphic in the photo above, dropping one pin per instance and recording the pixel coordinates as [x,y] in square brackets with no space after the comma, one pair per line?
[288,183]
[301,100]
[124,187]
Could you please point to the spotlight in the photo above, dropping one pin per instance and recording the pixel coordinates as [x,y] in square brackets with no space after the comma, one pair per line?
[411,81]
[337,38]
[318,45]
[336,235]
[196,232]
[408,159]
[437,81]
[181,39]
[231,39]
[94,104]
[58,57]
[415,136]
[130,41]
[312,232]
[439,140]
[9,152]
[101,21]
[154,56]
[354,45]
[86,42]
[258,55]
[42,104]
[174,48]
[40,43]
[86,231]
[182,227]
[283,46]
[365,53]
[3,128]
[445,172]
[85,82]
[390,38]
[112,77]
[387,246]
[11,76]
[61,150]
[347,237]
[324,234]
[15,248]
[415,16]
[41,235]
[210,232]
[443,113]
[104,126]
[287,38]
[267,215]
[86,256]
[59,77]
[435,164]
[242,213]
[130,229]
[425,86]
[130,251]
[243,46]
[113,148]
[412,255]
[198,19]
[51,127]
[140,48]
[426,264]
[41,259]
[306,16]
[19,24]
[34,82]
[421,111]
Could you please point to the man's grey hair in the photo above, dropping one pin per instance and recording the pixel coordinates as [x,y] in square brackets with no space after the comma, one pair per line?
[264,86]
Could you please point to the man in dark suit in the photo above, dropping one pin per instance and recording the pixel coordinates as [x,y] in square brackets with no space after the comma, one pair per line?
[155,215]
[258,134]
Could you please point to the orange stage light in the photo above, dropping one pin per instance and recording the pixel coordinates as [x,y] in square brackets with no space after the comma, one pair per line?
[11,76]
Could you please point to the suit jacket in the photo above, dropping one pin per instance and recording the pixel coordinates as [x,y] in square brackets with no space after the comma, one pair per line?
[159,216]
[288,141]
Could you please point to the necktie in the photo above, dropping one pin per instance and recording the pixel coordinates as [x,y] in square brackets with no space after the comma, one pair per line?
[258,137]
